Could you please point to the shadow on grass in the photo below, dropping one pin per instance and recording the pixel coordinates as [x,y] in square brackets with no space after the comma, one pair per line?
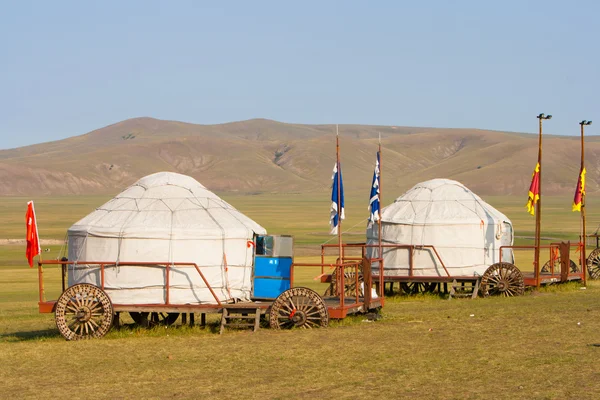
[125,330]
[30,335]
[415,296]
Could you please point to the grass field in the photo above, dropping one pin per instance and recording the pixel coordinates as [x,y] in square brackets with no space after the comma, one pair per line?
[542,345]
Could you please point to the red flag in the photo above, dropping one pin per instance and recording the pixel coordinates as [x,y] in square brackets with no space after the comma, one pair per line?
[579,192]
[33,239]
[534,190]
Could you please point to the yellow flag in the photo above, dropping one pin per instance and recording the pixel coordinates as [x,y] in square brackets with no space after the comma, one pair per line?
[534,190]
[579,192]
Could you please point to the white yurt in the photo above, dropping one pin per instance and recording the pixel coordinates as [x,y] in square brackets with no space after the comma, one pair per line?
[165,217]
[465,230]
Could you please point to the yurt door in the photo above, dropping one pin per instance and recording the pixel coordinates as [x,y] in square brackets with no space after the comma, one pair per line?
[272,266]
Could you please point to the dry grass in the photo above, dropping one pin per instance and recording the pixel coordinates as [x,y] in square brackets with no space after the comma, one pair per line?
[424,347]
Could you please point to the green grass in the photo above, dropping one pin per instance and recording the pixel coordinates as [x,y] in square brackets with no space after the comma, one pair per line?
[304,216]
[424,347]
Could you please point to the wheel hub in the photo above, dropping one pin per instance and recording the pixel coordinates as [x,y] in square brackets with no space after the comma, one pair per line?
[83,314]
[298,317]
[502,285]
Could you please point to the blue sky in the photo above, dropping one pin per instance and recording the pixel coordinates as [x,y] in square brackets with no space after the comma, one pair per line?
[68,67]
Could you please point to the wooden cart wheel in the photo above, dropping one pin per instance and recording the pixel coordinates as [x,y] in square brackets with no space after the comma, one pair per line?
[298,307]
[410,287]
[573,267]
[418,287]
[150,319]
[593,264]
[502,279]
[349,284]
[83,311]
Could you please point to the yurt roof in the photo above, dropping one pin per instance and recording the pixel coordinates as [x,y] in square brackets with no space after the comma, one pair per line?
[167,205]
[440,201]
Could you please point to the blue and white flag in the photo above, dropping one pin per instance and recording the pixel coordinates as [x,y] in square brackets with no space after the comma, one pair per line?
[335,217]
[374,196]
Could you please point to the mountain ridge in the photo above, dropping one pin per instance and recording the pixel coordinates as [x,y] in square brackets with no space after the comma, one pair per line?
[262,155]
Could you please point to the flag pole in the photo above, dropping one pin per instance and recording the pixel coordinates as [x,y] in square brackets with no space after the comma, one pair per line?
[381,281]
[339,201]
[583,227]
[538,206]
[380,201]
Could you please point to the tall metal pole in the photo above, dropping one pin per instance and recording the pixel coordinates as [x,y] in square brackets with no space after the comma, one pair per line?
[538,208]
[381,281]
[583,227]
[380,201]
[339,196]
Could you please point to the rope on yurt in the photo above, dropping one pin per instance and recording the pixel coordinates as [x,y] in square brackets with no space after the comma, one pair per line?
[121,230]
[226,275]
[229,208]
[422,239]
[170,244]
[224,272]
[63,248]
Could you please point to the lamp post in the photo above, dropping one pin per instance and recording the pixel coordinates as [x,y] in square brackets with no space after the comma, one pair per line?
[538,213]
[583,230]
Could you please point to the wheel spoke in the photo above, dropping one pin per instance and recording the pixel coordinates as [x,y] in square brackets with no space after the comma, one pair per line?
[312,323]
[97,307]
[287,306]
[285,323]
[284,312]
[88,300]
[71,308]
[309,308]
[315,312]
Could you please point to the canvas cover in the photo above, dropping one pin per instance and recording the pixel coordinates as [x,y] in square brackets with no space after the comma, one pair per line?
[165,217]
[466,231]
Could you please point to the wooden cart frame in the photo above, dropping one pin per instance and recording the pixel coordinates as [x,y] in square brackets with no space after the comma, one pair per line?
[85,310]
[502,278]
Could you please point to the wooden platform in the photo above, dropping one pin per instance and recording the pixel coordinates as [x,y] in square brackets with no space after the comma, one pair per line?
[432,279]
[336,310]
[546,279]
[528,277]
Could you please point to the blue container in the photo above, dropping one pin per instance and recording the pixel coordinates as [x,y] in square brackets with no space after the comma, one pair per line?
[271,276]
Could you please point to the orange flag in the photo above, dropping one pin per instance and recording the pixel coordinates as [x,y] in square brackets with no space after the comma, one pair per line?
[534,190]
[579,192]
[33,239]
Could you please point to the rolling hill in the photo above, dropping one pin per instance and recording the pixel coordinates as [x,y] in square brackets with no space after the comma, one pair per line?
[268,156]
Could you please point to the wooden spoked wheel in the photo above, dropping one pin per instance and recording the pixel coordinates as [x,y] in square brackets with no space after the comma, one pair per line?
[502,279]
[573,267]
[349,284]
[298,307]
[593,264]
[418,287]
[83,311]
[150,319]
